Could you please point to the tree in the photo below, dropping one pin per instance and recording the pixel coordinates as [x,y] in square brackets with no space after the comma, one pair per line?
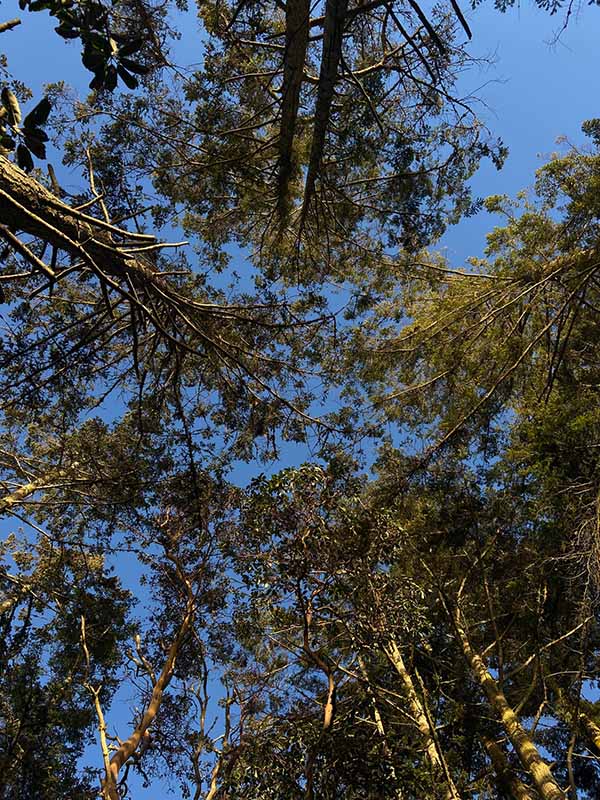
[515,330]
[126,308]
[393,151]
[44,715]
[410,599]
[427,631]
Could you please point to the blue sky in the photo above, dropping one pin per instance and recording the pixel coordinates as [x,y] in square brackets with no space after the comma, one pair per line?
[536,88]
[534,91]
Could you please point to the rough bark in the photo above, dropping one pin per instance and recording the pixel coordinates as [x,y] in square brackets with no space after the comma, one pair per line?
[509,782]
[333,28]
[528,754]
[21,494]
[122,261]
[417,710]
[113,254]
[297,14]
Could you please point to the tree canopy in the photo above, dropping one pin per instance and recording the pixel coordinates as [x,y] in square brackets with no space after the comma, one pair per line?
[248,266]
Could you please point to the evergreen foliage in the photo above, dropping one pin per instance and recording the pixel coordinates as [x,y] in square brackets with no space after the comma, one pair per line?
[422,626]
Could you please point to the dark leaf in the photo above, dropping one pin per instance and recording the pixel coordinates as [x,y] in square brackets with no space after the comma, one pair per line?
[92,59]
[131,47]
[133,66]
[38,116]
[97,81]
[99,42]
[127,78]
[120,37]
[67,32]
[36,133]
[95,14]
[111,78]
[24,159]
[69,17]
[37,148]
[7,142]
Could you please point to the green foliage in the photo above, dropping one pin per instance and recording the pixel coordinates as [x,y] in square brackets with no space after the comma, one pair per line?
[45,716]
[107,38]
[323,632]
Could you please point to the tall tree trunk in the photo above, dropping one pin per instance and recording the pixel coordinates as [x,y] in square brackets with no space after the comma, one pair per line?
[333,28]
[509,782]
[126,749]
[297,13]
[436,760]
[525,749]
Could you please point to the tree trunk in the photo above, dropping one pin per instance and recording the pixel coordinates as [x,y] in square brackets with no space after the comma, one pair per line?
[297,14]
[437,763]
[333,28]
[26,205]
[509,782]
[127,748]
[525,749]
[592,730]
